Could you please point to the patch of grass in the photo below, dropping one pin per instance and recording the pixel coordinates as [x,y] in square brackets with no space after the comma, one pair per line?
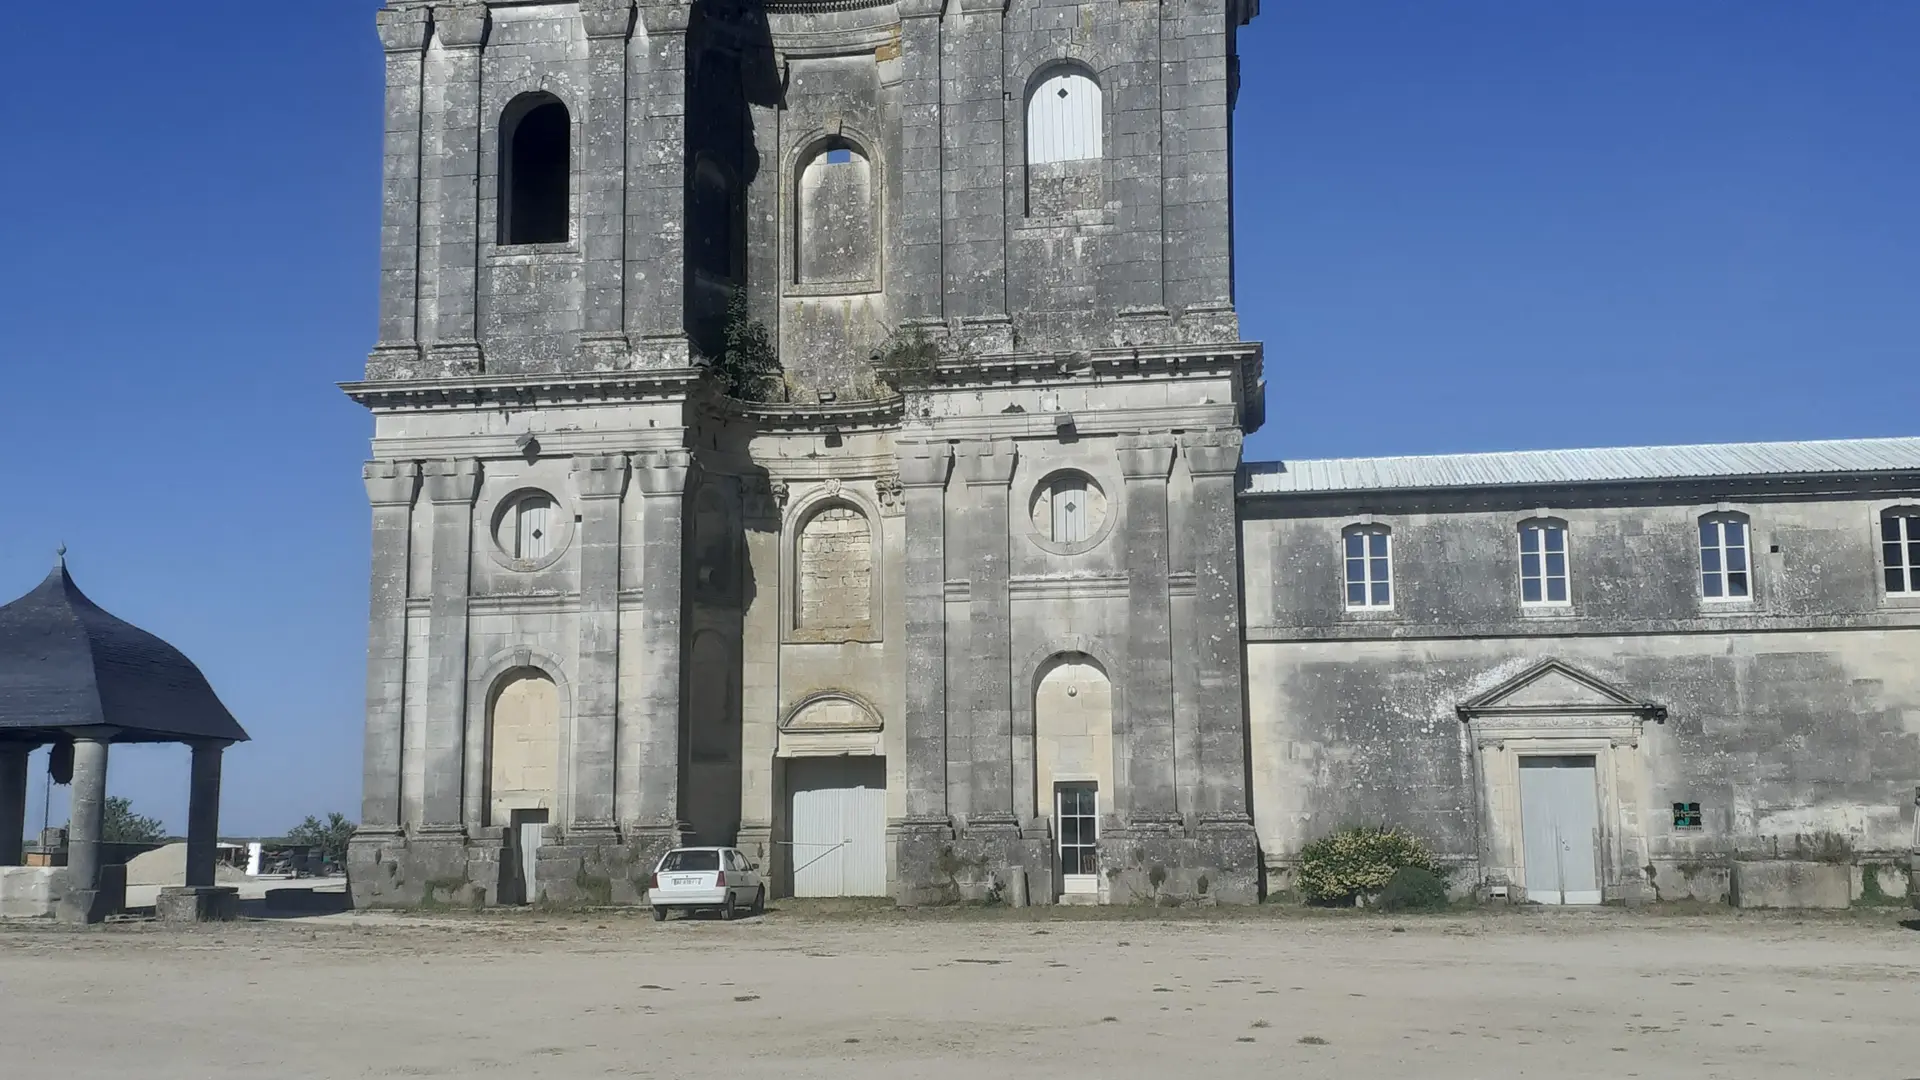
[1311,1040]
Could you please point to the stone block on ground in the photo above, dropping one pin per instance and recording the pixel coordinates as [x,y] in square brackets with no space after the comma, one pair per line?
[197,903]
[1790,883]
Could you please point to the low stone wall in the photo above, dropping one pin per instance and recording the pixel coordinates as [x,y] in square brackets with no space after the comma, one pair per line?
[1790,883]
[31,892]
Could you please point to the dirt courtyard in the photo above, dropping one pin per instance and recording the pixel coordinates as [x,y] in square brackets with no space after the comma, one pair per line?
[803,994]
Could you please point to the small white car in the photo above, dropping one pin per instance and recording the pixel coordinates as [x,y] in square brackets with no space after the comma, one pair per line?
[720,878]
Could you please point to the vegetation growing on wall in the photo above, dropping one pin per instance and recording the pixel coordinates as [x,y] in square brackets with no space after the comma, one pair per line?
[908,359]
[748,366]
[1354,865]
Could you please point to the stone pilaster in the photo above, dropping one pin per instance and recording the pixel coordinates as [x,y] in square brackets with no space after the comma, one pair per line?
[973,205]
[924,467]
[987,467]
[1145,462]
[603,195]
[1196,134]
[656,189]
[921,220]
[649,728]
[454,182]
[599,481]
[403,35]
[203,813]
[451,486]
[1213,462]
[392,487]
[13,801]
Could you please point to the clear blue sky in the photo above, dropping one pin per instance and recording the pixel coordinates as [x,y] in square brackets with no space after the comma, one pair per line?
[1462,226]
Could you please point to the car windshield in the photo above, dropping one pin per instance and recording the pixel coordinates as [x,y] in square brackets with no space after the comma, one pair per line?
[691,860]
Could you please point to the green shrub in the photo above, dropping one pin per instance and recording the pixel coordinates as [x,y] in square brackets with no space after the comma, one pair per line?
[1414,888]
[1357,863]
[748,366]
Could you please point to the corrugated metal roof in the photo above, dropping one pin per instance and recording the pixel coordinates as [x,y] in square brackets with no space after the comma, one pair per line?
[1583,466]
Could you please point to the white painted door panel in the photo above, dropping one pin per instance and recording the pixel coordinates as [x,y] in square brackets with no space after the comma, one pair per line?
[839,826]
[1560,830]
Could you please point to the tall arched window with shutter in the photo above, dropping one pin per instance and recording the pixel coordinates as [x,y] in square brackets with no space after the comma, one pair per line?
[1063,118]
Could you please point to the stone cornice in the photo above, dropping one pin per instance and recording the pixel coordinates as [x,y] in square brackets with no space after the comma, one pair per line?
[520,391]
[774,416]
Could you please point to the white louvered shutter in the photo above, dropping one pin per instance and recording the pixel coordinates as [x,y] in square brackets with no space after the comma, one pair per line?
[1063,119]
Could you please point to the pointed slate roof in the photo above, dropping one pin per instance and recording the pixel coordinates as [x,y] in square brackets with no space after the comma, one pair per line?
[65,662]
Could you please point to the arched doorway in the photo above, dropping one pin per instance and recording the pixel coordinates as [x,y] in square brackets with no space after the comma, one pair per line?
[523,774]
[1073,764]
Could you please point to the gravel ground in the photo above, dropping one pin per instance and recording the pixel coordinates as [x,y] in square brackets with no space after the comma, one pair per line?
[851,992]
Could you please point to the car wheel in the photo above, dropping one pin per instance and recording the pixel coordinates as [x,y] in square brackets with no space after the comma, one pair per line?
[760,900]
[727,910]
[659,914]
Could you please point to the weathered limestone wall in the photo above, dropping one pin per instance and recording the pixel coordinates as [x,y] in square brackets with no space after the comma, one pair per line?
[1792,719]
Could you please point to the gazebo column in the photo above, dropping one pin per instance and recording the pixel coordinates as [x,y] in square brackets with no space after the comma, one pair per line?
[203,813]
[200,900]
[84,902]
[13,801]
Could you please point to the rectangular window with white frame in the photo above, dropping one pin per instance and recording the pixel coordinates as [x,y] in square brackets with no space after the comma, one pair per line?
[1725,570]
[1543,564]
[1369,557]
[1900,550]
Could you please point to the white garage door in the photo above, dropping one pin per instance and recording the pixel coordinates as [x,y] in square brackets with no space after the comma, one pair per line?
[839,825]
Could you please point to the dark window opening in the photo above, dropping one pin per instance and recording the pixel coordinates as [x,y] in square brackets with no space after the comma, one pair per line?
[1686,815]
[686,861]
[536,164]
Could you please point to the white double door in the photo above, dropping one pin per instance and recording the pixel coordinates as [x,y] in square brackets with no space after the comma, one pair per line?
[1560,829]
[839,825]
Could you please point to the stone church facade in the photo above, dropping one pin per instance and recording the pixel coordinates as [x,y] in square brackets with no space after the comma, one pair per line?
[976,596]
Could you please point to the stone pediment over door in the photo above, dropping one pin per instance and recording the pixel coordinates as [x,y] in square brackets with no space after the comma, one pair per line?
[1556,697]
[831,723]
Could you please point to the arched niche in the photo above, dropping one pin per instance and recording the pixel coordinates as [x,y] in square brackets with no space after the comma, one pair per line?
[834,572]
[1073,721]
[836,214]
[524,744]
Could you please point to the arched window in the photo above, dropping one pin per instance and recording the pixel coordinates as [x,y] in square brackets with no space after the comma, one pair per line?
[1543,562]
[1724,571]
[1369,556]
[833,585]
[536,166]
[1900,549]
[837,239]
[1063,118]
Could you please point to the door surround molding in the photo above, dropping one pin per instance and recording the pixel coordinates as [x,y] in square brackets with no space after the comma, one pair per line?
[1553,709]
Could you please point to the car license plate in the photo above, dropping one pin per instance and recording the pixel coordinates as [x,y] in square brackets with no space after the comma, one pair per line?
[685,880]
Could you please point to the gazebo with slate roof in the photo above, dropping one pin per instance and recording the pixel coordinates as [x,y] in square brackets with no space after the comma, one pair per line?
[72,674]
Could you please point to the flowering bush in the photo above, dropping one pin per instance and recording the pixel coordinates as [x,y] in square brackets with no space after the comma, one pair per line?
[1356,863]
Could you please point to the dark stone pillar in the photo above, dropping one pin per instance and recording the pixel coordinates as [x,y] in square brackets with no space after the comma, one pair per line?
[13,802]
[203,813]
